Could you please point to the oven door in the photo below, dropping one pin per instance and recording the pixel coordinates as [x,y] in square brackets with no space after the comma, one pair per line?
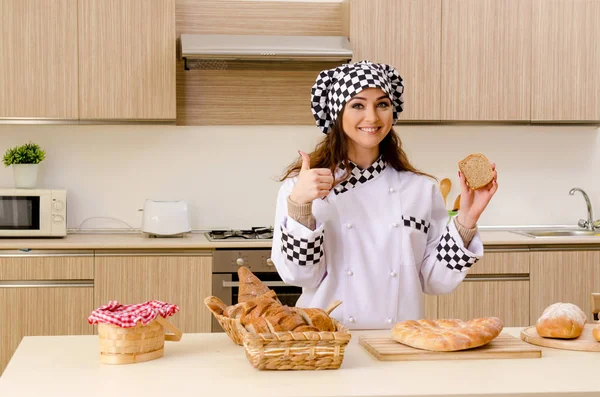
[225,286]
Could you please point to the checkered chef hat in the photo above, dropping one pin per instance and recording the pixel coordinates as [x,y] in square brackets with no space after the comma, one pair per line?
[334,87]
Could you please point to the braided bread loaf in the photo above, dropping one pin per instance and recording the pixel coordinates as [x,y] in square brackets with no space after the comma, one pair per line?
[447,335]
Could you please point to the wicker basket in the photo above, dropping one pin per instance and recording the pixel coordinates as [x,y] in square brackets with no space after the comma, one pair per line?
[297,350]
[136,344]
[230,326]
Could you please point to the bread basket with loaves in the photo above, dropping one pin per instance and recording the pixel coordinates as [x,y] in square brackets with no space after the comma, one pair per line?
[278,337]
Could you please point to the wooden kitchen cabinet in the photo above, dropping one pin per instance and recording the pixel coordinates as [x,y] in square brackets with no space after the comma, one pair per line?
[38,59]
[568,276]
[566,61]
[178,277]
[406,35]
[496,286]
[474,298]
[486,60]
[44,293]
[127,60]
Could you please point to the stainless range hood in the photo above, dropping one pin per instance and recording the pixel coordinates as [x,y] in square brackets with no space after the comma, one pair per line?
[265,48]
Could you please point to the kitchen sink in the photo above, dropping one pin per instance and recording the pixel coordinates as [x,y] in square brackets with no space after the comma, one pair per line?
[558,233]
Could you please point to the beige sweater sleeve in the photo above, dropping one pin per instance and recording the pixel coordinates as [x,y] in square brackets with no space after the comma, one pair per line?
[466,234]
[301,213]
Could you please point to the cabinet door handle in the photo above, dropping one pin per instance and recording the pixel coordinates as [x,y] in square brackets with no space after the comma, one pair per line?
[500,278]
[47,284]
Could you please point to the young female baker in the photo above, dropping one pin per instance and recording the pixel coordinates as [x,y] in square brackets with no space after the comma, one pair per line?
[355,221]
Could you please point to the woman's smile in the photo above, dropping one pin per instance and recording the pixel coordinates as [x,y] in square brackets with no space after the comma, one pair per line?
[370,130]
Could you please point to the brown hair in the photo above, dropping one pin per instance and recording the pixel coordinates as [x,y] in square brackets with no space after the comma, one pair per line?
[333,150]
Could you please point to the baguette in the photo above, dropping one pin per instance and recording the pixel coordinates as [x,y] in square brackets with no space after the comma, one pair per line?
[250,286]
[562,321]
[317,318]
[260,311]
[477,170]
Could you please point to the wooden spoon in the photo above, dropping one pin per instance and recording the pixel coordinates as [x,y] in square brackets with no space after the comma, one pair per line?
[456,205]
[445,186]
[332,306]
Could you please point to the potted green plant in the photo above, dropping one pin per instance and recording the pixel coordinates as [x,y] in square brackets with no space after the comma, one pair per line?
[25,161]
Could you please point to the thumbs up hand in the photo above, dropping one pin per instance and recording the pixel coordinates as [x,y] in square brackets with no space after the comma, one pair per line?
[312,183]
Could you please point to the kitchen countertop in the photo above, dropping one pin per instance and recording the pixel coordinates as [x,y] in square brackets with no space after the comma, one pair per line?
[211,365]
[199,241]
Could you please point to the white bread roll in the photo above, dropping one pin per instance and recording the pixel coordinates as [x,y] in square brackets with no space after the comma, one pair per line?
[561,320]
[596,332]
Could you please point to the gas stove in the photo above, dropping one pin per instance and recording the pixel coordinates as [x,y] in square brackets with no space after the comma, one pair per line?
[254,233]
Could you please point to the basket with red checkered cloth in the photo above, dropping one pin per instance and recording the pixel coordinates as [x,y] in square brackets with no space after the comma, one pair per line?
[133,333]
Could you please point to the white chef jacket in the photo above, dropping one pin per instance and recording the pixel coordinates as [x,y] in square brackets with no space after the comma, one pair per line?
[382,240]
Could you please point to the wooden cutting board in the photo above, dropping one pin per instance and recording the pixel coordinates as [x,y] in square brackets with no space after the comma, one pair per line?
[504,346]
[585,342]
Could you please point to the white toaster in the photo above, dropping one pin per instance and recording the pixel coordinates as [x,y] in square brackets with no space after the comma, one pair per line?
[165,218]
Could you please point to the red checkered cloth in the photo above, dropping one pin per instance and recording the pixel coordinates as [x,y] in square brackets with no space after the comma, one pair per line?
[127,316]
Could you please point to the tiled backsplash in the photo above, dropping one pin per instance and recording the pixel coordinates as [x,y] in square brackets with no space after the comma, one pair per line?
[228,174]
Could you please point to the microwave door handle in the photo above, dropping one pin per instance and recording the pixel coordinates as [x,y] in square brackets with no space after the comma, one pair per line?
[236,284]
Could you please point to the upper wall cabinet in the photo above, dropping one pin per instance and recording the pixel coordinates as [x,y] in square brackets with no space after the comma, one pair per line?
[38,59]
[566,61]
[405,34]
[486,60]
[127,58]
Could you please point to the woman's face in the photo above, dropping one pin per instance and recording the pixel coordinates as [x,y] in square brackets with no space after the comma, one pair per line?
[367,118]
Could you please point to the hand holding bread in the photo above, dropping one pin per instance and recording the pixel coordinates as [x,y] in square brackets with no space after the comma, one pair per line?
[479,183]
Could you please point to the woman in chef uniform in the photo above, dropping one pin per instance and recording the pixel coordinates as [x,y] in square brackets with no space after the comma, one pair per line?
[355,221]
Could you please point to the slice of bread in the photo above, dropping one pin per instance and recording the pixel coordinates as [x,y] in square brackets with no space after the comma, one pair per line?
[477,170]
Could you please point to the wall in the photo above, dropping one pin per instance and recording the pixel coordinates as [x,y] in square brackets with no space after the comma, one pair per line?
[228,174]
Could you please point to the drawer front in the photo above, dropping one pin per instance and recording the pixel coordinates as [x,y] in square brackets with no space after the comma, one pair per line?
[502,262]
[46,265]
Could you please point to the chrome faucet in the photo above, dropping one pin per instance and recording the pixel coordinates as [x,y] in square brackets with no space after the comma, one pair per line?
[590,224]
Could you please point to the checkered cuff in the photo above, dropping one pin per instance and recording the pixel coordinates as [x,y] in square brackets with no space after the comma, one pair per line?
[452,255]
[419,224]
[302,251]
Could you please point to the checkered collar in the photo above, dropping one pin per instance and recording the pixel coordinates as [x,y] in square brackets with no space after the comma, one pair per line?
[359,176]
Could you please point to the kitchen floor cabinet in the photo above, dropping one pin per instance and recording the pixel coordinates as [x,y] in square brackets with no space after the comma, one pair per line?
[44,293]
[566,60]
[127,59]
[38,59]
[563,275]
[405,34]
[496,286]
[179,277]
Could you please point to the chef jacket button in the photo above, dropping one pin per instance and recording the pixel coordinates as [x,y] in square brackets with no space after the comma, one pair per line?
[389,320]
[392,190]
[393,274]
[394,225]
[349,226]
[350,273]
[351,319]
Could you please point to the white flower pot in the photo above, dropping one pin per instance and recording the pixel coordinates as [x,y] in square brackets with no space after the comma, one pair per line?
[25,175]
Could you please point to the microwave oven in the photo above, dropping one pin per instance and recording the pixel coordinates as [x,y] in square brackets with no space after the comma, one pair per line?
[33,213]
